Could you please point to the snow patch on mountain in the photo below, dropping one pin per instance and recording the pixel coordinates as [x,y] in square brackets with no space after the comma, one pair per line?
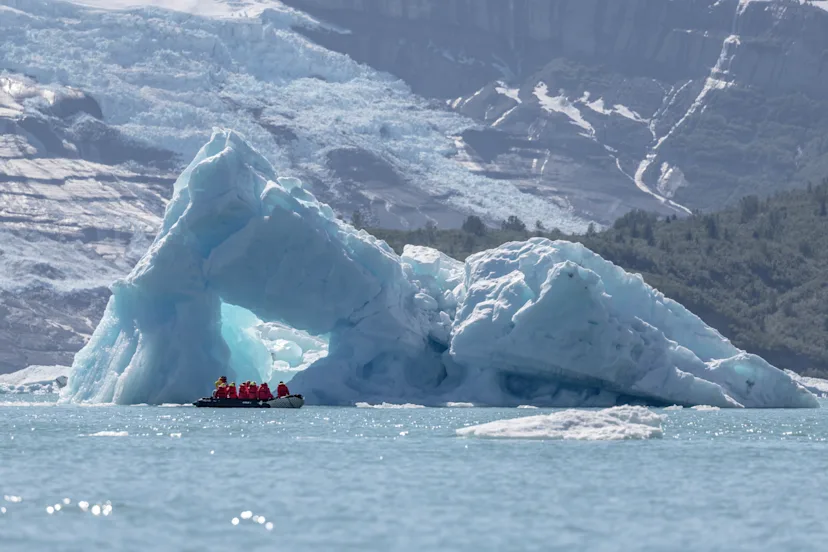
[560,104]
[670,180]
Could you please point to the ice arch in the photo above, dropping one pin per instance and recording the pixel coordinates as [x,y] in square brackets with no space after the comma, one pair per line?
[236,233]
[547,321]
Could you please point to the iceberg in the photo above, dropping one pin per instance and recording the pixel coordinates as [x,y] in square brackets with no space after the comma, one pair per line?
[251,277]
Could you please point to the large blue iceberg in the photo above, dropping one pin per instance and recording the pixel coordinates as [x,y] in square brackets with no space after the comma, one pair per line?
[544,322]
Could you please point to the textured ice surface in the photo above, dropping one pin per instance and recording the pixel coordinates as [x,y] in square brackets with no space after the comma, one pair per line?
[553,321]
[234,233]
[249,268]
[817,386]
[33,379]
[612,424]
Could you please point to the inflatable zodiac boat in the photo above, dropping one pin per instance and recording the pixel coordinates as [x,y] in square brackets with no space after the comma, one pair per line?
[290,401]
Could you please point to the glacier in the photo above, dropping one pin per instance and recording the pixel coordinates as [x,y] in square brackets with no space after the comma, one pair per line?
[244,252]
[167,71]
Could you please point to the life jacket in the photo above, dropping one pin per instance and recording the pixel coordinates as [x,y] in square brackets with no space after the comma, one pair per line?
[221,392]
[231,392]
[244,392]
[282,390]
[264,393]
[253,390]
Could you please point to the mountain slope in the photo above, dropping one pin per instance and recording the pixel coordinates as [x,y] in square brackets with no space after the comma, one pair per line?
[667,106]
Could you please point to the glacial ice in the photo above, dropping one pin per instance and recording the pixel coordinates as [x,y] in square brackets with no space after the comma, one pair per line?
[34,379]
[244,254]
[612,424]
[817,386]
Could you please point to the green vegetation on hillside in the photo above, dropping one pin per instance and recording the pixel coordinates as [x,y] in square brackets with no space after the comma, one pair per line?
[757,272]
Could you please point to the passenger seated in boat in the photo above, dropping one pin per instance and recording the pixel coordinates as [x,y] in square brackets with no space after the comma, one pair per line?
[264,393]
[244,392]
[221,382]
[253,390]
[282,390]
[231,391]
[221,392]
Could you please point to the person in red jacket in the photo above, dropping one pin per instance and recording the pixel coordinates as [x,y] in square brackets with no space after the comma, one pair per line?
[243,391]
[264,393]
[231,391]
[282,390]
[221,392]
[252,390]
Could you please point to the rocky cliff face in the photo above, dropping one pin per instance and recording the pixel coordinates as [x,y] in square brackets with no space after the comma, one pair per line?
[663,105]
[78,204]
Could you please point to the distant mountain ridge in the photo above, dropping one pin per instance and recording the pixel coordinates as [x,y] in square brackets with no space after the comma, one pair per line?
[663,105]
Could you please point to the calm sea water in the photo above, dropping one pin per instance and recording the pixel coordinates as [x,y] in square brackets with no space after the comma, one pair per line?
[336,479]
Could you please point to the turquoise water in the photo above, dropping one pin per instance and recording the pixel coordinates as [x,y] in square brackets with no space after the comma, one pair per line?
[334,479]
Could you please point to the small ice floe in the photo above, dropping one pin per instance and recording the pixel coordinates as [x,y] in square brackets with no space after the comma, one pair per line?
[528,407]
[109,434]
[459,405]
[36,380]
[388,405]
[674,407]
[611,424]
[705,408]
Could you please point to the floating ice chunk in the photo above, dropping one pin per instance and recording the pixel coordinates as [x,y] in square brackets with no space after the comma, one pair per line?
[545,318]
[109,434]
[528,407]
[387,405]
[35,379]
[459,405]
[613,424]
[705,408]
[674,407]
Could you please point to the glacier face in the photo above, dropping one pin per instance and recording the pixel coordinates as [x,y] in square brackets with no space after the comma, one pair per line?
[543,322]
